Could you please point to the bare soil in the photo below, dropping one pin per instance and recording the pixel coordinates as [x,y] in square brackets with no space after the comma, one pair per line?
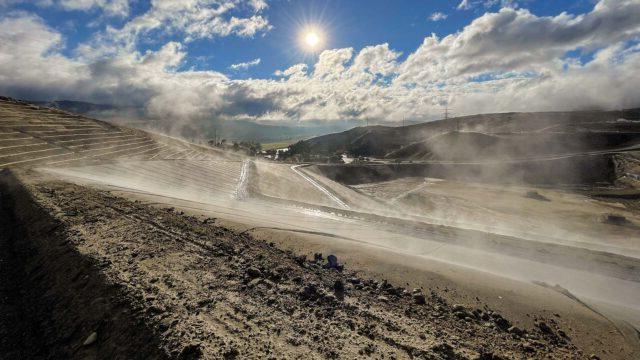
[152,283]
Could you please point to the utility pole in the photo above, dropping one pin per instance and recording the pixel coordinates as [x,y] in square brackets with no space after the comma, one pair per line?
[446,117]
[402,121]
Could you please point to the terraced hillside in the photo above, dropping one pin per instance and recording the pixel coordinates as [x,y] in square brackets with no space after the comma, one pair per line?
[32,135]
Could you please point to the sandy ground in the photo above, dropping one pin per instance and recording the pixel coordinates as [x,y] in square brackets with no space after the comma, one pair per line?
[208,292]
[126,244]
[558,215]
[410,258]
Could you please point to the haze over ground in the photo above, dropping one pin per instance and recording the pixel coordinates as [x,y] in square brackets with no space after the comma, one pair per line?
[139,218]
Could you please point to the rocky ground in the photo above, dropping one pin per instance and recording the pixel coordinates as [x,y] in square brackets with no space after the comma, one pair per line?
[148,282]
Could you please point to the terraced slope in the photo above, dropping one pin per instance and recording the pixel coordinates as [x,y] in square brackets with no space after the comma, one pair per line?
[33,135]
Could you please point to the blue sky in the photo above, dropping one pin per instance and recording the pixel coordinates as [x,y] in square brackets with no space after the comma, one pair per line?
[354,23]
[377,59]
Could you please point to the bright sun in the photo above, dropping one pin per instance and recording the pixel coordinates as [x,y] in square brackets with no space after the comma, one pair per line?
[312,39]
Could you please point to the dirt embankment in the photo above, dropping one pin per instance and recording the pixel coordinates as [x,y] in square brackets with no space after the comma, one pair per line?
[56,303]
[145,279]
[576,170]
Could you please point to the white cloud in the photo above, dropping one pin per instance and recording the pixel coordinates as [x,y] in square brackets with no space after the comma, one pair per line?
[464,5]
[518,40]
[110,7]
[245,65]
[437,16]
[511,60]
[189,19]
[469,4]
[40,3]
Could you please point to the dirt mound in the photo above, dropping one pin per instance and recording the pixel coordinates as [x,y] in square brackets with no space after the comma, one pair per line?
[56,303]
[145,278]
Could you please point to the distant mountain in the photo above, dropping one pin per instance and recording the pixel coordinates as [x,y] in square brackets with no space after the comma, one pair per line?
[236,130]
[79,107]
[503,135]
[250,131]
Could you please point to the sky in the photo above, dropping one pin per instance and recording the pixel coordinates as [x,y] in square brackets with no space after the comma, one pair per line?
[296,61]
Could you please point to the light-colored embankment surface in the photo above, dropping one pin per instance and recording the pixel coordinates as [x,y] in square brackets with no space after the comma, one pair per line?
[32,135]
[160,282]
[548,214]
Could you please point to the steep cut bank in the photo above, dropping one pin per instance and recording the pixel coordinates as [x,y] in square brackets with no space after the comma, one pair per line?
[56,303]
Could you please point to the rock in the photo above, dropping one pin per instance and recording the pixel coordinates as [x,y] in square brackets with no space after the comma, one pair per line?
[502,323]
[383,298]
[544,327]
[536,196]
[515,330]
[419,299]
[332,263]
[190,352]
[165,324]
[300,260]
[254,282]
[317,257]
[92,338]
[594,357]
[338,286]
[231,353]
[488,355]
[309,292]
[528,347]
[330,298]
[458,307]
[615,219]
[253,272]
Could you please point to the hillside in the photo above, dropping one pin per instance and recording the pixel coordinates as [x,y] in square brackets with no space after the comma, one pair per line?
[34,135]
[199,129]
[489,135]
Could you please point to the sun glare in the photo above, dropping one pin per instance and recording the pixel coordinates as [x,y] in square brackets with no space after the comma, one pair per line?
[311,39]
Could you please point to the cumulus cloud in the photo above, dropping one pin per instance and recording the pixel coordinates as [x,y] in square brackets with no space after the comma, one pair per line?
[469,4]
[107,7]
[245,65]
[437,16]
[510,60]
[519,40]
[110,7]
[188,19]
